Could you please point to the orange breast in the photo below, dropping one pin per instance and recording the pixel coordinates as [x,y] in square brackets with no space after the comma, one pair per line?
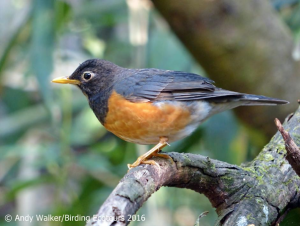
[145,123]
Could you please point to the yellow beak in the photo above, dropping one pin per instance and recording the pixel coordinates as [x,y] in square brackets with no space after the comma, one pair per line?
[66,80]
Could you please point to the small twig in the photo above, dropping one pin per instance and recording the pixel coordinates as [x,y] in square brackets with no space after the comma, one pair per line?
[293,152]
[200,216]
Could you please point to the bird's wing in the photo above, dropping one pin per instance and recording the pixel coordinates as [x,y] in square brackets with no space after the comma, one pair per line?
[148,85]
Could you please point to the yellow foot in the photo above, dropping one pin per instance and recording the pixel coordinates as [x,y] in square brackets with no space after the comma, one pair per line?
[144,159]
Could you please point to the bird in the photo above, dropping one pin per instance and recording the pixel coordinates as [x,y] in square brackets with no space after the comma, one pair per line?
[153,106]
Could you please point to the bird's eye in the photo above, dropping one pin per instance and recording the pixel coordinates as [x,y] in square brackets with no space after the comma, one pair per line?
[87,76]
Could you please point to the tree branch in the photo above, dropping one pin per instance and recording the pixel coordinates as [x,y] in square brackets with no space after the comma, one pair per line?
[196,172]
[256,193]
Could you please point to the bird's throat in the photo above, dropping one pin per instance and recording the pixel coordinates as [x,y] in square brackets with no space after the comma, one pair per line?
[99,104]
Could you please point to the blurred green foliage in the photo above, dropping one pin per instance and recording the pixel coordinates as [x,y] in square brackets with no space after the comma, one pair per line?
[55,157]
[290,12]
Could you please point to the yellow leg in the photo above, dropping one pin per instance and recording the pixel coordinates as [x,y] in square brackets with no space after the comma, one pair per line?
[152,152]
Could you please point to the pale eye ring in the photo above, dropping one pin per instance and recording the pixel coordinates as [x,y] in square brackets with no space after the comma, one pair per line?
[87,75]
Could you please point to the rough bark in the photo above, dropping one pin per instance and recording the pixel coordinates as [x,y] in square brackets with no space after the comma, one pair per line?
[242,45]
[256,193]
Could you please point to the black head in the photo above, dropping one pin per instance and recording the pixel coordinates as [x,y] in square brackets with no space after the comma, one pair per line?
[92,76]
[95,75]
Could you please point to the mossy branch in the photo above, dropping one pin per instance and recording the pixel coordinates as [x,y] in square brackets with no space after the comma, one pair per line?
[256,193]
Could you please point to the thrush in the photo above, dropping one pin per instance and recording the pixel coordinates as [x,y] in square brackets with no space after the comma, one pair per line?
[153,106]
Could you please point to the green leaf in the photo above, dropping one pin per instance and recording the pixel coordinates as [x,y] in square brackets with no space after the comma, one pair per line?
[42,43]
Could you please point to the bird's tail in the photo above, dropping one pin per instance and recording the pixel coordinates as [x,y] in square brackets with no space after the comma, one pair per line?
[252,100]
